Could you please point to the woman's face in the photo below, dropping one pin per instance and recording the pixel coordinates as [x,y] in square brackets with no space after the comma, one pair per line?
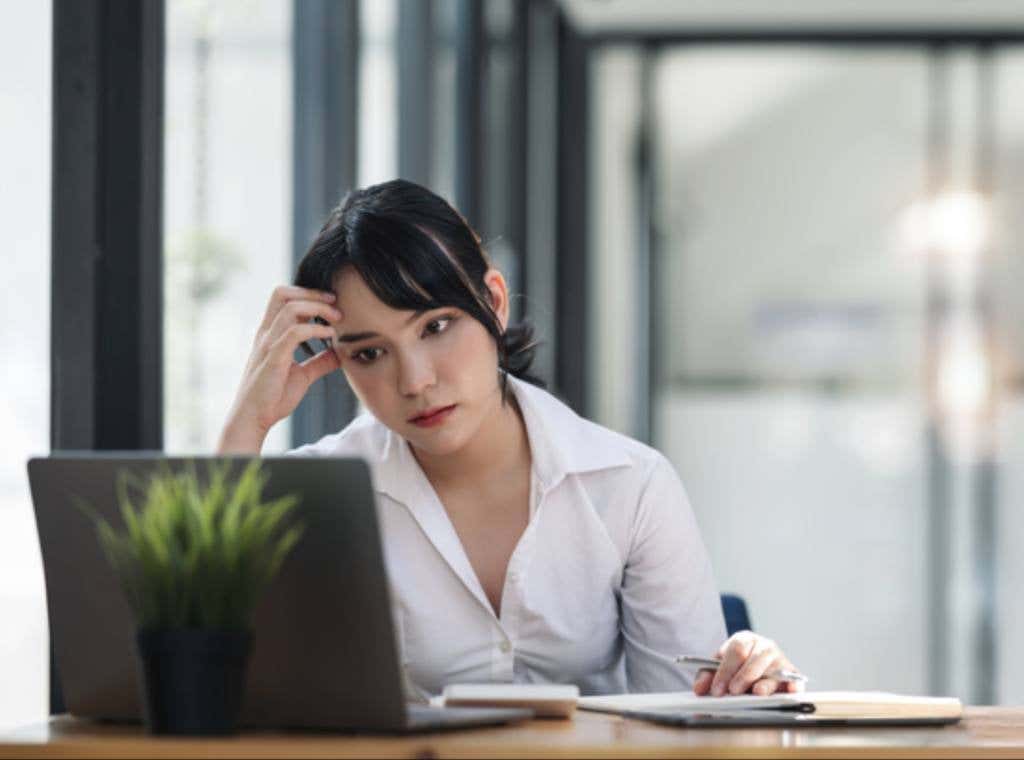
[401,364]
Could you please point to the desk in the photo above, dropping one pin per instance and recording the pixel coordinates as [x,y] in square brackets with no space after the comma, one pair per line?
[986,732]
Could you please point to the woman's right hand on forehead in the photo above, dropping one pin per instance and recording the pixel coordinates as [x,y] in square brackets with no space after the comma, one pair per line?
[273,383]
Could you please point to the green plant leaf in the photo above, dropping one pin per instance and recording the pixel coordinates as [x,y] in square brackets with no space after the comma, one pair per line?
[197,552]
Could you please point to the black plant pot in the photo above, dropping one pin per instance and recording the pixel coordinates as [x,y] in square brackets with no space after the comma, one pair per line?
[193,680]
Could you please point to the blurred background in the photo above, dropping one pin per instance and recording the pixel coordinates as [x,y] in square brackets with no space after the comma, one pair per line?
[780,241]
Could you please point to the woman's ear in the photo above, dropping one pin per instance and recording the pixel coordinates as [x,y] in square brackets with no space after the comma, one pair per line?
[498,288]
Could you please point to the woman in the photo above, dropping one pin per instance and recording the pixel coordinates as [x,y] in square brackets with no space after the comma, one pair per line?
[523,543]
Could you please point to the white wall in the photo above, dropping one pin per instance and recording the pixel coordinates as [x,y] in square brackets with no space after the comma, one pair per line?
[25,53]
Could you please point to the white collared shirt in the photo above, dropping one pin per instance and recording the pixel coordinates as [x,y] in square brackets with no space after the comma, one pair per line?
[608,581]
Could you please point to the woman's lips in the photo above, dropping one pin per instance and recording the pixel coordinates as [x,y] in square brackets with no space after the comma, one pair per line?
[433,419]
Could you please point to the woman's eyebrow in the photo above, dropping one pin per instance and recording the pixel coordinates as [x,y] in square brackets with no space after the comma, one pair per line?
[356,337]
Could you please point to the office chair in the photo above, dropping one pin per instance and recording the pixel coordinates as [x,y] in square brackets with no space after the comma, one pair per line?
[736,616]
[56,695]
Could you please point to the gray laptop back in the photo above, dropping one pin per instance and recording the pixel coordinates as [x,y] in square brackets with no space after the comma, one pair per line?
[324,651]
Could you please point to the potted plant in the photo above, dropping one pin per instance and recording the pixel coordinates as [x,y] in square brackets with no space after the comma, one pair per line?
[193,559]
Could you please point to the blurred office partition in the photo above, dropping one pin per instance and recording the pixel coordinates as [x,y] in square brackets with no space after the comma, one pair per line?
[787,342]
[792,246]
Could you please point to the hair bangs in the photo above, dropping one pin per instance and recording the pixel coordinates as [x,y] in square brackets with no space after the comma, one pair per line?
[406,268]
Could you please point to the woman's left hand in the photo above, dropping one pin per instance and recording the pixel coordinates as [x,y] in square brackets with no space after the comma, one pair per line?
[746,659]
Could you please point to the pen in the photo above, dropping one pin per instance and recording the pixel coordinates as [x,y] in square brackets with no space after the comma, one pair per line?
[712,663]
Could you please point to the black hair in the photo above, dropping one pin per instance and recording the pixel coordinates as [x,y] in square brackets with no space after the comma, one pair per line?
[416,253]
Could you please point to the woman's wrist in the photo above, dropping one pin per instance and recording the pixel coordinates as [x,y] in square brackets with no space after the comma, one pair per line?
[241,437]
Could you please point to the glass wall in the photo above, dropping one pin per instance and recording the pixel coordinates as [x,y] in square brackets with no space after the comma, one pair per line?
[502,221]
[227,203]
[785,359]
[807,273]
[25,92]
[1007,261]
[378,92]
[228,183]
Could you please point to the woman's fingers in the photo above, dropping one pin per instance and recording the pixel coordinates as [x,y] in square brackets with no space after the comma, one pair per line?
[732,654]
[284,294]
[292,313]
[790,686]
[747,661]
[272,383]
[765,686]
[282,351]
[702,683]
[295,312]
[762,658]
[317,366]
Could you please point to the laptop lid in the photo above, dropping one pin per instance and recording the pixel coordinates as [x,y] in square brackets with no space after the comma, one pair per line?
[324,649]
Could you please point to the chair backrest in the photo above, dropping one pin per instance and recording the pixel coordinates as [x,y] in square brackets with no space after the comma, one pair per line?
[735,611]
[56,695]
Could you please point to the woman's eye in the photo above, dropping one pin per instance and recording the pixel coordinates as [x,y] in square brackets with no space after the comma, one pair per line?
[438,325]
[366,355]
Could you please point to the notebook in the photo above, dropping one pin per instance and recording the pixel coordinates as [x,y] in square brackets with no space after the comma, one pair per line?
[847,707]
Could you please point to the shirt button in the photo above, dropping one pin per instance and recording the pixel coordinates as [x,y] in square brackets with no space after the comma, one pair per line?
[505,647]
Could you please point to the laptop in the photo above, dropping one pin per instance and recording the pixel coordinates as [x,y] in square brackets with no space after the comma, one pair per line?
[324,651]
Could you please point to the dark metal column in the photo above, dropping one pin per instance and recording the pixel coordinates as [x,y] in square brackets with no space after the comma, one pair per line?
[469,100]
[518,105]
[416,90]
[938,486]
[539,262]
[985,497]
[573,181]
[648,293]
[106,308]
[326,78]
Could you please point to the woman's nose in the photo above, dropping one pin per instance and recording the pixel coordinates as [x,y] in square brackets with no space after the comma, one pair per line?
[415,374]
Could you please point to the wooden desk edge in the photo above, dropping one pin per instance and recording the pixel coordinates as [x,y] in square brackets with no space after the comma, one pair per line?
[986,732]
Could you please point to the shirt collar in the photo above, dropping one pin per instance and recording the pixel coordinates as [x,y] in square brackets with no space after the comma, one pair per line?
[561,443]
